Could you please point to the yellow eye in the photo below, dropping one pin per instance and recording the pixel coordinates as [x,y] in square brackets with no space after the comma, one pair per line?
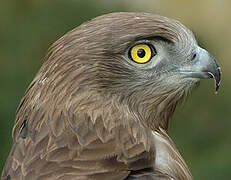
[142,53]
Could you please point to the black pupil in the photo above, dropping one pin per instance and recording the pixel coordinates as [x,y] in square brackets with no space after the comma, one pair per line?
[141,53]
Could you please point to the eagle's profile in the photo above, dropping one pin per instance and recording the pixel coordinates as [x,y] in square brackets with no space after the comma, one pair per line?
[100,105]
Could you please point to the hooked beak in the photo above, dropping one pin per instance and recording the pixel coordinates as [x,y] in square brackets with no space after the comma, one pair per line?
[204,66]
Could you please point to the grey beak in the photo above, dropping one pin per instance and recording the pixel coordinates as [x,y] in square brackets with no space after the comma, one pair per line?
[203,66]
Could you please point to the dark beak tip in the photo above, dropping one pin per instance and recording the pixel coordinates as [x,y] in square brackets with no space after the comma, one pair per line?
[217,78]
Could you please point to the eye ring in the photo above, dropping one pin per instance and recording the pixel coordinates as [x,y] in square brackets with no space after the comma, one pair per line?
[142,53]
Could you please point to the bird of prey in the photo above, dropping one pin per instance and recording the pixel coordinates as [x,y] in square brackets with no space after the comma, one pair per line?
[99,107]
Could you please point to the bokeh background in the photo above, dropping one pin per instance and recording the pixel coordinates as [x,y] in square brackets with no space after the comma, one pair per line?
[201,127]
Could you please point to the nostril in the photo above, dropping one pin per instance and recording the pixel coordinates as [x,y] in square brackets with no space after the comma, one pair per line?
[194,56]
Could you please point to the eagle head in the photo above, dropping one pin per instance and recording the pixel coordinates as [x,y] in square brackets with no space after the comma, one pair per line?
[146,62]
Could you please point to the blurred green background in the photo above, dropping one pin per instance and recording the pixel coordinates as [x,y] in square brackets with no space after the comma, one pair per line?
[201,127]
